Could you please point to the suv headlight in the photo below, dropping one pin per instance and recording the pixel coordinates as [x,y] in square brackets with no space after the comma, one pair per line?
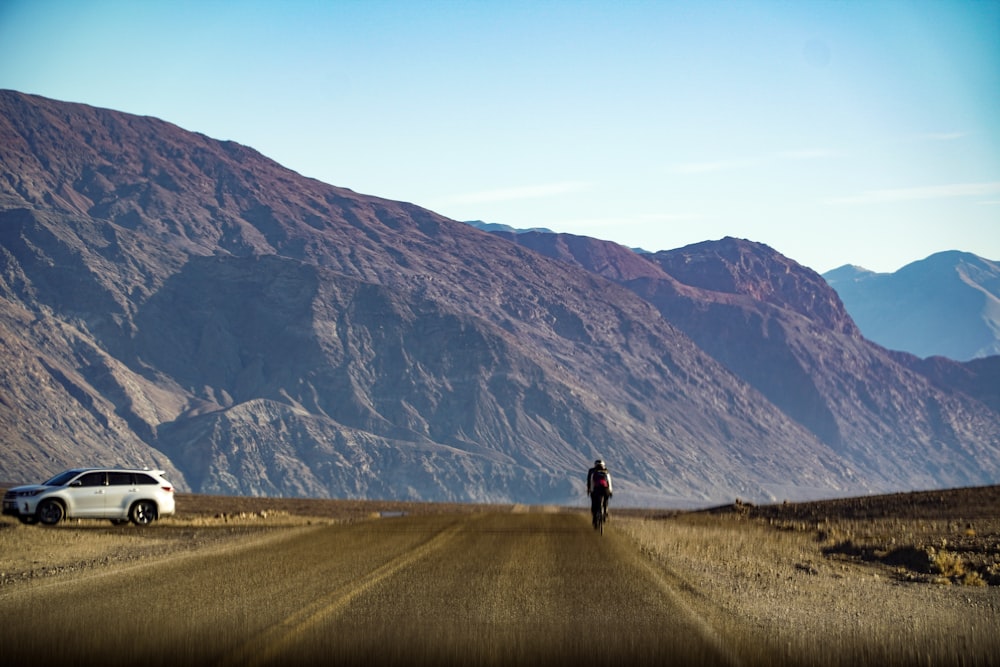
[30,494]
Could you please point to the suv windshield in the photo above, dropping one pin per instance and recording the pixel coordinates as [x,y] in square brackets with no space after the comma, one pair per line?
[62,478]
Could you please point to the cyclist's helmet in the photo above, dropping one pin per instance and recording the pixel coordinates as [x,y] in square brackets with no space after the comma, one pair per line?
[599,463]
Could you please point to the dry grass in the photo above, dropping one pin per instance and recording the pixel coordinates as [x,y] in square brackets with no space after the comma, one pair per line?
[827,584]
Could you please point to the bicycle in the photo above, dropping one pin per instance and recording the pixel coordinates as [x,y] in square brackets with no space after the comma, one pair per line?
[599,521]
[600,517]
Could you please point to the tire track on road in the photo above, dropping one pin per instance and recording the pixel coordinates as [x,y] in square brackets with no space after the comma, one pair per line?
[488,589]
[276,640]
[670,586]
[528,589]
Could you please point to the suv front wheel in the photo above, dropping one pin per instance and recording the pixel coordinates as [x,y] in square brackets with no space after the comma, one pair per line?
[143,513]
[50,512]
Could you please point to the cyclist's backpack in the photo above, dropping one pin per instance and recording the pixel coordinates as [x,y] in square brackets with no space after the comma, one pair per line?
[600,480]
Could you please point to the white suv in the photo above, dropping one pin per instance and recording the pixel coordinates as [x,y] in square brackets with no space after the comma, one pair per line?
[140,496]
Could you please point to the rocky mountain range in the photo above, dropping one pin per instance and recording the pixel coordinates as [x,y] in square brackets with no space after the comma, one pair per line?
[171,300]
[945,305]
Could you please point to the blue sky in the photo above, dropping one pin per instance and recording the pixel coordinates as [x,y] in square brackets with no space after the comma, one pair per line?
[836,132]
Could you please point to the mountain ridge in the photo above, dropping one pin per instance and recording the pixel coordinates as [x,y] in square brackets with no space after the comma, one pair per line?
[947,304]
[784,331]
[169,299]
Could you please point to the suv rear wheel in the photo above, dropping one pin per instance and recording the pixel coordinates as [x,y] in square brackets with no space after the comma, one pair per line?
[50,512]
[143,513]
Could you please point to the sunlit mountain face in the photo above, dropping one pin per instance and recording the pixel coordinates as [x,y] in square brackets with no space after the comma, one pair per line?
[171,300]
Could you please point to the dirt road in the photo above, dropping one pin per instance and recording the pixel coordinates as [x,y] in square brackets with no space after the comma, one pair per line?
[479,589]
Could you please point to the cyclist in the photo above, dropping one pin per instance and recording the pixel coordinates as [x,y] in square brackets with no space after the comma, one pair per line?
[599,489]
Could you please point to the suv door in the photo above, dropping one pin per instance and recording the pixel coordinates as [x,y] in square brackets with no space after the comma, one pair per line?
[87,495]
[121,489]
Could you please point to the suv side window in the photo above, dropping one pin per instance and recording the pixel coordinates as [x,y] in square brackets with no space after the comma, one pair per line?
[120,478]
[141,478]
[92,479]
